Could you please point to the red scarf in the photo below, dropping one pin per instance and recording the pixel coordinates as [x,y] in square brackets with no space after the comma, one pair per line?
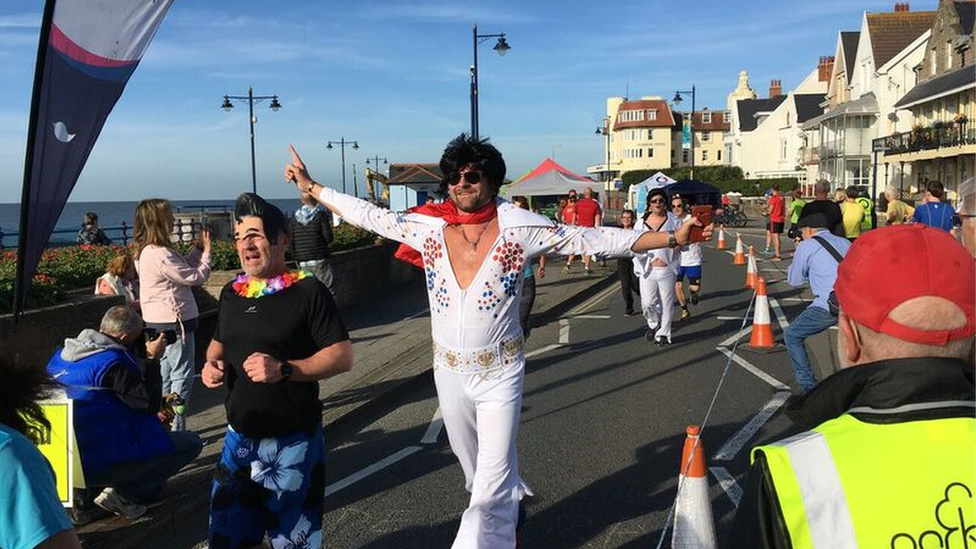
[447,211]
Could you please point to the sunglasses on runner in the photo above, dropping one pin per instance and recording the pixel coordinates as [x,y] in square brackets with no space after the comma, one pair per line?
[471,177]
[657,201]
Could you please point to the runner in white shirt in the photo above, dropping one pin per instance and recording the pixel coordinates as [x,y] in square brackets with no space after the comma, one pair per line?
[473,248]
[690,264]
[656,270]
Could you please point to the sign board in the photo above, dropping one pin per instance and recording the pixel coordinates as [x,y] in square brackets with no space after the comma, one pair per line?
[686,134]
[60,448]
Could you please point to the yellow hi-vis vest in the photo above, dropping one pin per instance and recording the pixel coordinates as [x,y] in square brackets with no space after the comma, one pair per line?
[849,484]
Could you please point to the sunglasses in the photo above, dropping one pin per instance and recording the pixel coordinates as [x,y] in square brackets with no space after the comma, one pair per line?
[657,201]
[471,177]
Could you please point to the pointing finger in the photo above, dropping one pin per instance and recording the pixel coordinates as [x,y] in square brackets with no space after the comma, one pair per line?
[297,160]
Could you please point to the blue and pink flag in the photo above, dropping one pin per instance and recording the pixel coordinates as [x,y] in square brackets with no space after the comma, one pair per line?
[88,50]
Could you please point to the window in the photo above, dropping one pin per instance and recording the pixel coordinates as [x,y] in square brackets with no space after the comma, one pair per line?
[706,117]
[684,156]
[726,117]
[948,54]
[650,153]
[704,155]
[718,155]
[706,137]
[782,149]
[650,134]
[651,114]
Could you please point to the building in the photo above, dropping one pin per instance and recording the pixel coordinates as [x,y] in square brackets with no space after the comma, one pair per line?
[941,142]
[766,138]
[855,102]
[646,134]
[411,184]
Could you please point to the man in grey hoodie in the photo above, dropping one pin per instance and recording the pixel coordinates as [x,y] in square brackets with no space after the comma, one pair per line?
[123,445]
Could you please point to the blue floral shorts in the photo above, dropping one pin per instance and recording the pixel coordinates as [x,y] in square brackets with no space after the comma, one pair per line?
[269,486]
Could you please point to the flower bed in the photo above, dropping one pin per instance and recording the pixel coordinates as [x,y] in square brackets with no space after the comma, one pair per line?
[77,267]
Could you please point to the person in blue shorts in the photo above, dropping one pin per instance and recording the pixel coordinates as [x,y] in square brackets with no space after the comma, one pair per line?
[278,333]
[690,264]
[31,514]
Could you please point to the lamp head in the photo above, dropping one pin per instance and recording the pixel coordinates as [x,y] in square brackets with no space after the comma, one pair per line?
[355,145]
[677,98]
[502,46]
[329,146]
[275,105]
[226,105]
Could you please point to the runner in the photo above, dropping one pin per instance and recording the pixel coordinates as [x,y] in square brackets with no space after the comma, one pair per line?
[656,270]
[689,265]
[473,247]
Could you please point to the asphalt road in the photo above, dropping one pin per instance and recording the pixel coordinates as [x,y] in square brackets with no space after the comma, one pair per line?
[602,427]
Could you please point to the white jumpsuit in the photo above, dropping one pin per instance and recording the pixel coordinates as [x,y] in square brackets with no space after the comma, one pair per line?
[657,282]
[479,366]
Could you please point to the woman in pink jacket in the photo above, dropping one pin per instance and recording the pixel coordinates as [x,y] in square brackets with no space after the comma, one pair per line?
[167,301]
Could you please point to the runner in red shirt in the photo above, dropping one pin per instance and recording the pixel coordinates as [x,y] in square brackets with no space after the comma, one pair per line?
[776,209]
[569,218]
[588,214]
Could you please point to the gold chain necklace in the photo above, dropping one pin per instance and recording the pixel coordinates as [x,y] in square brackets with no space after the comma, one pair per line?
[474,245]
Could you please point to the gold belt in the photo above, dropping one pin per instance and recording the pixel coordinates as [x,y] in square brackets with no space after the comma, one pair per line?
[475,361]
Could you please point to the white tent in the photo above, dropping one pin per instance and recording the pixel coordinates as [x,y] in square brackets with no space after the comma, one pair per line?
[637,194]
[549,178]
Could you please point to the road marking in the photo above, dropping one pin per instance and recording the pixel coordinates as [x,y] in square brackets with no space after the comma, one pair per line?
[563,330]
[783,324]
[739,318]
[771,270]
[415,315]
[595,317]
[794,299]
[541,350]
[779,385]
[434,429]
[735,337]
[586,305]
[732,446]
[728,484]
[376,467]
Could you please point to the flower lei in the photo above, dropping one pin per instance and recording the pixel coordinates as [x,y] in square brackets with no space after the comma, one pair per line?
[245,286]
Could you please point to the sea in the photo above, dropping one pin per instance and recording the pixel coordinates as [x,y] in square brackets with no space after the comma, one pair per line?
[111,215]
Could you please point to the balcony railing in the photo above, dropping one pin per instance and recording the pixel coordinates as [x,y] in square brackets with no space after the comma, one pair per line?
[926,139]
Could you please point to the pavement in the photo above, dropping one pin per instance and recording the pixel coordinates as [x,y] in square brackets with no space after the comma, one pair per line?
[392,346]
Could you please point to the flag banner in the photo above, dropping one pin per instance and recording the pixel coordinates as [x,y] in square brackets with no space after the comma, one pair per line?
[88,51]
[686,133]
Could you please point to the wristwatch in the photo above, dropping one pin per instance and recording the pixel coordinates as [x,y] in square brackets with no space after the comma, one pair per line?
[672,241]
[286,370]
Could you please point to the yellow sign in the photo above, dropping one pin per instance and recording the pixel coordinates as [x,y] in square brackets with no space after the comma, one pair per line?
[59,447]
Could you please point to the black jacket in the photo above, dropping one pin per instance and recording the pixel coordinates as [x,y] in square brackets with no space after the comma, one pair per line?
[880,385]
[311,242]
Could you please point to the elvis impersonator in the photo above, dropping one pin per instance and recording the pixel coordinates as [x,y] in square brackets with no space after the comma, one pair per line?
[473,248]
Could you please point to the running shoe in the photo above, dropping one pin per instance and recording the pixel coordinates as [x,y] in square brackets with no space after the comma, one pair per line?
[588,271]
[649,334]
[695,298]
[566,269]
[685,314]
[114,503]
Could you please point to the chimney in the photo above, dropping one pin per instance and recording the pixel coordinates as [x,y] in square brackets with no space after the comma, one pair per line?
[775,88]
[901,7]
[825,67]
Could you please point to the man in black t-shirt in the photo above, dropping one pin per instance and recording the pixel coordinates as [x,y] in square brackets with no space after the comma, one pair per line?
[824,205]
[278,333]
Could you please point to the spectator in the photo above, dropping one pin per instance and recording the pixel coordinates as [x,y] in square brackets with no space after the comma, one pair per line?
[569,218]
[898,212]
[853,214]
[91,233]
[815,261]
[776,210]
[967,213]
[840,196]
[625,269]
[31,514]
[796,206]
[120,279]
[311,231]
[167,303]
[589,213]
[887,456]
[822,204]
[123,445]
[932,211]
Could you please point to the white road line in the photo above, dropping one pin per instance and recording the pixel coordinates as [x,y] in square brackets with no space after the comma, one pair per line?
[735,337]
[833,328]
[794,299]
[563,330]
[732,446]
[595,317]
[728,484]
[779,385]
[739,318]
[771,270]
[783,324]
[415,315]
[376,467]
[434,429]
[541,350]
[590,303]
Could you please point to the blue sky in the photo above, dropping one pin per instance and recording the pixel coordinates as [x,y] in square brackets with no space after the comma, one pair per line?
[394,76]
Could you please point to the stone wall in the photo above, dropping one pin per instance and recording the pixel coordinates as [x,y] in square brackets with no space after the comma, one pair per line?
[364,273]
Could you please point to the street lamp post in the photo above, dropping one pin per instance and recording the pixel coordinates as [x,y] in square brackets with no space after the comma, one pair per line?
[691,123]
[342,145]
[251,100]
[502,48]
[376,161]
[605,131]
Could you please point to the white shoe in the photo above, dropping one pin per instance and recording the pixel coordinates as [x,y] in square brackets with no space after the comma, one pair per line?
[114,503]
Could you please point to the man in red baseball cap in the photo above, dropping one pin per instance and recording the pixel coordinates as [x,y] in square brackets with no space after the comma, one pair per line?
[887,460]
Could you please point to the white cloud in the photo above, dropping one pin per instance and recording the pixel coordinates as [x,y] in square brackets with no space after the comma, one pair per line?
[20,21]
[449,13]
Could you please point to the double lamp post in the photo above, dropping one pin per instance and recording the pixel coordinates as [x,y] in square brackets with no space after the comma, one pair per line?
[691,123]
[251,100]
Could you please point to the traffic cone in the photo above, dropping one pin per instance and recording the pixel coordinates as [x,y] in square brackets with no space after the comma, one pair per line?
[740,256]
[721,238]
[762,329]
[752,273]
[694,526]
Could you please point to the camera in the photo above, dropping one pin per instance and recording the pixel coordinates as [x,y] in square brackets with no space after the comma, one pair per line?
[152,333]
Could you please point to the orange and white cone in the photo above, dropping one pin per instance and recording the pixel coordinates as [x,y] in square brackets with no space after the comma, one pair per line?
[721,238]
[762,329]
[694,526]
[740,254]
[752,272]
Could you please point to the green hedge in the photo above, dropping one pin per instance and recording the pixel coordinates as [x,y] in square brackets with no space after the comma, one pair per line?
[726,178]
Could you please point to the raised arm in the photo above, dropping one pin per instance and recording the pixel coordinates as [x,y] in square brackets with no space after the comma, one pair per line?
[358,212]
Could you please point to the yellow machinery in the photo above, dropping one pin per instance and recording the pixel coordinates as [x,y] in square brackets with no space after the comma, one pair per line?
[371,178]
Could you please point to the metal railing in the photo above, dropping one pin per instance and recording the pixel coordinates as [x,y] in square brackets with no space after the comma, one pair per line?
[184,230]
[926,139]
